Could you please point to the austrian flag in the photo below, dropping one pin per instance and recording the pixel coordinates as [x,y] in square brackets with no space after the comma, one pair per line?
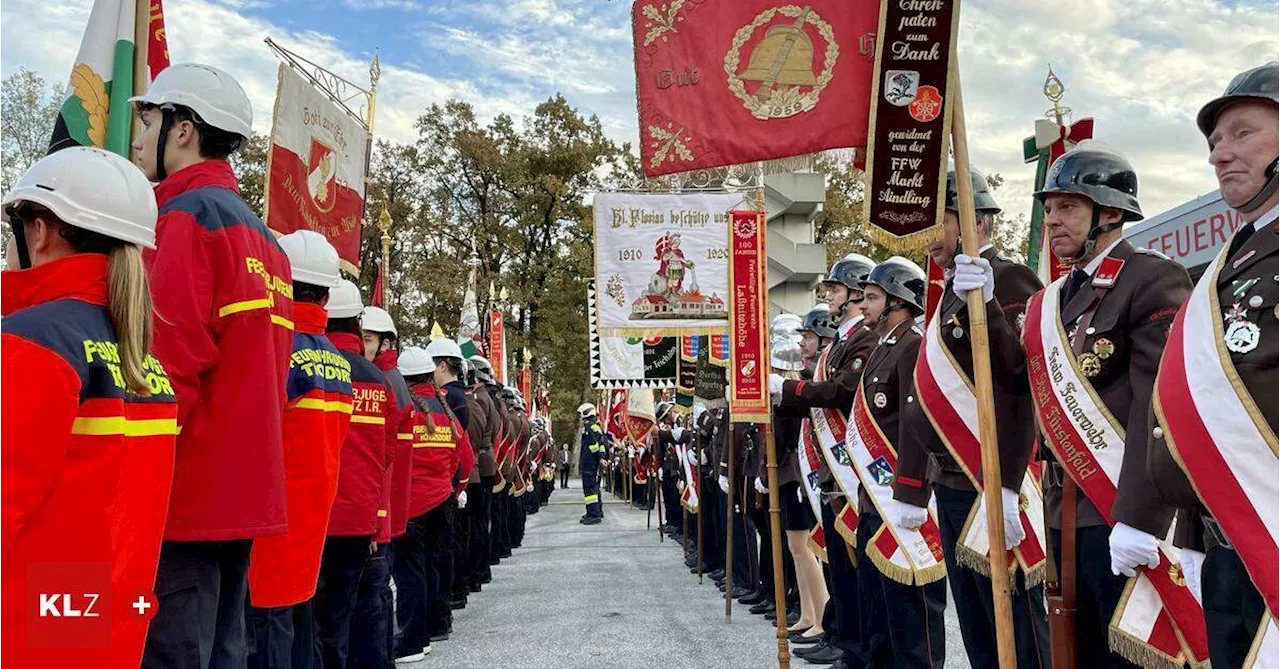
[317,167]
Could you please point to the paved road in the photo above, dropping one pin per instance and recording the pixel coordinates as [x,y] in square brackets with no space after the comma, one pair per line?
[610,596]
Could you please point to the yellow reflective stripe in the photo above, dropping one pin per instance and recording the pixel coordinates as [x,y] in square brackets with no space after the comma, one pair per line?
[591,498]
[282,321]
[382,513]
[323,405]
[247,305]
[434,445]
[121,425]
[371,420]
[405,436]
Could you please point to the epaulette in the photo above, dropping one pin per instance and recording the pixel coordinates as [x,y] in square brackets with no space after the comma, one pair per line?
[1152,252]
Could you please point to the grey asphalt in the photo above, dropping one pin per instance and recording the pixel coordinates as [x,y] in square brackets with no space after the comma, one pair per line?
[608,595]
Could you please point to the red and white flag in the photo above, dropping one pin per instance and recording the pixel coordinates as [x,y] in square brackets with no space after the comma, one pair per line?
[316,168]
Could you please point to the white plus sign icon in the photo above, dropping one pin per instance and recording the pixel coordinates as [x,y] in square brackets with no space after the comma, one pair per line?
[141,605]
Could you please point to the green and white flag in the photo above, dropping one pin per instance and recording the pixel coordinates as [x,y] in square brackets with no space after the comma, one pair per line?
[98,113]
[469,336]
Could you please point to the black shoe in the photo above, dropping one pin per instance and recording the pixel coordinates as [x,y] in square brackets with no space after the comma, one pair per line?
[474,586]
[764,607]
[443,636]
[793,618]
[840,664]
[717,574]
[594,520]
[488,578]
[458,604]
[799,639]
[827,655]
[810,650]
[493,562]
[505,554]
[753,598]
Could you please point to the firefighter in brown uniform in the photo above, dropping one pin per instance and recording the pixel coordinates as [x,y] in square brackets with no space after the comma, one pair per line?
[1241,129]
[903,620]
[925,464]
[482,431]
[845,361]
[1116,308]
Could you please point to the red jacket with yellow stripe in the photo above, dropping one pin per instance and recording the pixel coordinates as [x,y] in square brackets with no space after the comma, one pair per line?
[437,452]
[223,296]
[358,509]
[401,471]
[86,465]
[283,570]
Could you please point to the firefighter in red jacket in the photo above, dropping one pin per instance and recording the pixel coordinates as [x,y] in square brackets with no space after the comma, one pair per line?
[358,511]
[283,569]
[223,297]
[89,416]
[441,462]
[373,635]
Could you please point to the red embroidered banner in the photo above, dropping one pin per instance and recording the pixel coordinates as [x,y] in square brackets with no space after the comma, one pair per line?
[749,353]
[726,82]
[497,347]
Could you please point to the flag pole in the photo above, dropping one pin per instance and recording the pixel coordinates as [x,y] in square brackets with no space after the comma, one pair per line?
[384,224]
[698,474]
[141,49]
[728,530]
[771,465]
[978,336]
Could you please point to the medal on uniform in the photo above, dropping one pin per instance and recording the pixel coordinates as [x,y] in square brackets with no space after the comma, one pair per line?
[1090,364]
[957,332]
[880,400]
[857,364]
[1104,348]
[1242,334]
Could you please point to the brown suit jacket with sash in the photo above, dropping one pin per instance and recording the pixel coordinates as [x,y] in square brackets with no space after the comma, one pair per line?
[922,456]
[1133,317]
[888,388]
[1255,259]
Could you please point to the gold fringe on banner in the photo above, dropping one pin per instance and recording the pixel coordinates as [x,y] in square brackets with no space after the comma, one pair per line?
[813,546]
[906,244]
[903,575]
[968,557]
[1136,650]
[849,535]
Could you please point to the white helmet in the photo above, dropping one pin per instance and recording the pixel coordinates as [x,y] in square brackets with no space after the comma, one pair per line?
[94,190]
[586,410]
[785,324]
[414,361]
[444,348]
[376,319]
[313,258]
[215,96]
[344,300]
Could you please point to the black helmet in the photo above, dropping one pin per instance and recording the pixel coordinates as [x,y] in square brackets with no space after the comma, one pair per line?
[983,200]
[850,270]
[483,370]
[1260,83]
[1098,173]
[902,279]
[818,321]
[664,408]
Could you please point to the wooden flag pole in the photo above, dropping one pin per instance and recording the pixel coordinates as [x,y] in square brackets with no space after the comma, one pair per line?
[983,386]
[728,529]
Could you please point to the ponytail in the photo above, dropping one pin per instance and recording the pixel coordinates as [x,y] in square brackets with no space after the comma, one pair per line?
[129,302]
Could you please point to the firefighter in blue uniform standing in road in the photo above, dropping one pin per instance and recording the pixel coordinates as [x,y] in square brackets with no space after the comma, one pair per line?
[591,453]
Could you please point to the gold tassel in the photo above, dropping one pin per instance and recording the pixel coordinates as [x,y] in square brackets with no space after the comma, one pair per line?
[890,570]
[906,244]
[817,550]
[1139,652]
[849,535]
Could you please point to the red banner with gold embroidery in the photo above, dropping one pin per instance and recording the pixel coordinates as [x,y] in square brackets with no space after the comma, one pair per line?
[497,347]
[726,82]
[749,352]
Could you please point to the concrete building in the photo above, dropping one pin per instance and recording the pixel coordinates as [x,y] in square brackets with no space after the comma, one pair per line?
[796,264]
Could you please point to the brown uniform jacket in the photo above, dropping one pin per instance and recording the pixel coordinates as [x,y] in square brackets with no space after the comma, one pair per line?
[845,363]
[888,388]
[477,424]
[1133,317]
[922,456]
[1257,258]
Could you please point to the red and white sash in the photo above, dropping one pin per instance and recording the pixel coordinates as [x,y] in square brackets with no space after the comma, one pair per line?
[810,464]
[1219,436]
[829,427]
[1158,622]
[948,399]
[689,496]
[913,557]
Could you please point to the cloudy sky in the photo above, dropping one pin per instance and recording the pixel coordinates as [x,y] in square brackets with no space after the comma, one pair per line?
[1141,68]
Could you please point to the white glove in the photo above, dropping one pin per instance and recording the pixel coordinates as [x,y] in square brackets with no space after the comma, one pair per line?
[1132,548]
[704,458]
[761,487]
[462,499]
[972,274]
[775,388]
[677,432]
[906,516]
[724,484]
[692,458]
[799,495]
[659,473]
[631,451]
[1192,562]
[1013,530]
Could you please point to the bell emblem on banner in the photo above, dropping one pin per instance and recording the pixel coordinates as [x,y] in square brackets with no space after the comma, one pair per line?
[780,67]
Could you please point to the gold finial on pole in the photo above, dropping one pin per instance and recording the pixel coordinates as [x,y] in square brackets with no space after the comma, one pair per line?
[384,224]
[375,73]
[1054,89]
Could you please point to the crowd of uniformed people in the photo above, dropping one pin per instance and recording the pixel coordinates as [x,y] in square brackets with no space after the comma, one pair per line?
[213,420]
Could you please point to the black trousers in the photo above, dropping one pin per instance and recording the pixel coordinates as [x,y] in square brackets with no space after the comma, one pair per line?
[409,569]
[845,628]
[372,633]
[1233,609]
[342,565]
[564,477]
[971,594]
[516,518]
[199,624]
[460,565]
[671,499]
[499,527]
[480,499]
[713,526]
[733,512]
[281,637]
[1098,594]
[439,561]
[910,615]
[591,493]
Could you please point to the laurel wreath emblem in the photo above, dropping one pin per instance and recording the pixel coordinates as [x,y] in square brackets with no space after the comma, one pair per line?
[789,101]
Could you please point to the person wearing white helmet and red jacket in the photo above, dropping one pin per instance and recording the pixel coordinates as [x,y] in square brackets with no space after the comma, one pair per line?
[357,511]
[373,634]
[283,569]
[441,461]
[223,298]
[89,415]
